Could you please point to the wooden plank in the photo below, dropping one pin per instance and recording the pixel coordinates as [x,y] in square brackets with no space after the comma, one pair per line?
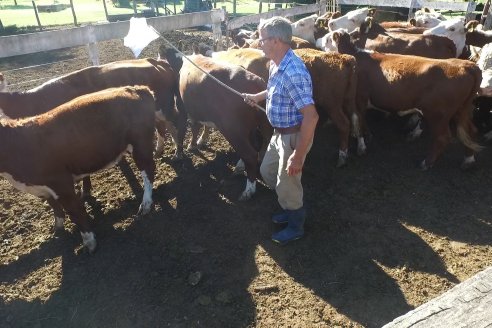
[376,3]
[468,304]
[442,5]
[50,40]
[253,19]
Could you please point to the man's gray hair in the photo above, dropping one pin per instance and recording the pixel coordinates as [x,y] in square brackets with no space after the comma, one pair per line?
[277,27]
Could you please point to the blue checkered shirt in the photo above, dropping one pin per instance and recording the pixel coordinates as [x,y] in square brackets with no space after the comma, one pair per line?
[289,90]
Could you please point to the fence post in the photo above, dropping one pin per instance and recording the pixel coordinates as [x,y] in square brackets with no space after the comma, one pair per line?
[92,46]
[469,11]
[488,21]
[37,16]
[411,6]
[322,7]
[105,10]
[73,13]
[217,16]
[485,12]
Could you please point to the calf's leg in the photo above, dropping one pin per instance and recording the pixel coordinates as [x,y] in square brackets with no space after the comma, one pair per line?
[142,155]
[58,212]
[74,207]
[440,137]
[241,144]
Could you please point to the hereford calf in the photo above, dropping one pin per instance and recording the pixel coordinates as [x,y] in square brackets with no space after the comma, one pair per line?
[156,74]
[397,82]
[207,102]
[44,155]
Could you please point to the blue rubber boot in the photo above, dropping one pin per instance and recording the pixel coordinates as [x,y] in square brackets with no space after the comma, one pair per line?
[295,227]
[281,217]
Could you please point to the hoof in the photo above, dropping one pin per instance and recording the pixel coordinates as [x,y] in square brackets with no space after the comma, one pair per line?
[158,152]
[177,157]
[89,241]
[144,208]
[341,162]
[342,158]
[245,196]
[423,166]
[466,165]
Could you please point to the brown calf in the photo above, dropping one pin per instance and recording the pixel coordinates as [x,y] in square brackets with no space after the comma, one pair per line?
[44,155]
[443,90]
[207,102]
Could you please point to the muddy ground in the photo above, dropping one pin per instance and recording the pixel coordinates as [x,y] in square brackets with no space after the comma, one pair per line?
[382,237]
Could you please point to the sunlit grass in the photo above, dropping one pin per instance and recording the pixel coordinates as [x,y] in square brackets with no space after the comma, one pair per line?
[87,11]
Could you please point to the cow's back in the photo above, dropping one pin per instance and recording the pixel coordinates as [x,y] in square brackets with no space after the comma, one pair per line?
[431,46]
[394,81]
[155,74]
[207,100]
[251,59]
[74,134]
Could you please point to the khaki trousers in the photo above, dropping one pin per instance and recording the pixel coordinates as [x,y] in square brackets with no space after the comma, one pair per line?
[273,169]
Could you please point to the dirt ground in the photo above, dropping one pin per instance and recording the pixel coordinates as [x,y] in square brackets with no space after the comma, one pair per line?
[382,237]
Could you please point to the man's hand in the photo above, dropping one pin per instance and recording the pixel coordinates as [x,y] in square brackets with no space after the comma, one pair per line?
[294,164]
[249,99]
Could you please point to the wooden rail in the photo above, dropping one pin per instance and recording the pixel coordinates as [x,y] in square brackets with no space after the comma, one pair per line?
[466,7]
[319,7]
[91,34]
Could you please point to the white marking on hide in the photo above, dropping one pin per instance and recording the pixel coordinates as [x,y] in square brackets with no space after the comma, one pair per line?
[350,21]
[40,191]
[453,29]
[89,241]
[392,75]
[147,196]
[249,191]
[118,158]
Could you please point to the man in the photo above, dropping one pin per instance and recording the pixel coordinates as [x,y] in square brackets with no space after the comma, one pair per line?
[290,110]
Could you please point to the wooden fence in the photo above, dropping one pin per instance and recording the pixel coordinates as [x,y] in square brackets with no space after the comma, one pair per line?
[91,34]
[412,5]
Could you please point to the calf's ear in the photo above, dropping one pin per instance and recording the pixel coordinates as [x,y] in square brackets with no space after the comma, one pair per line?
[335,37]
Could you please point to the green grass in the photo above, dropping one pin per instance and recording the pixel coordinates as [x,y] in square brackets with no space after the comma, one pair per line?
[88,11]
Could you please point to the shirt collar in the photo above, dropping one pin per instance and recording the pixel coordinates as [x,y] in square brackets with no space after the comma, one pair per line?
[286,60]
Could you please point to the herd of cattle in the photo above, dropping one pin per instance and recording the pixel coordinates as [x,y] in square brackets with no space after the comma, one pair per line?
[85,121]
